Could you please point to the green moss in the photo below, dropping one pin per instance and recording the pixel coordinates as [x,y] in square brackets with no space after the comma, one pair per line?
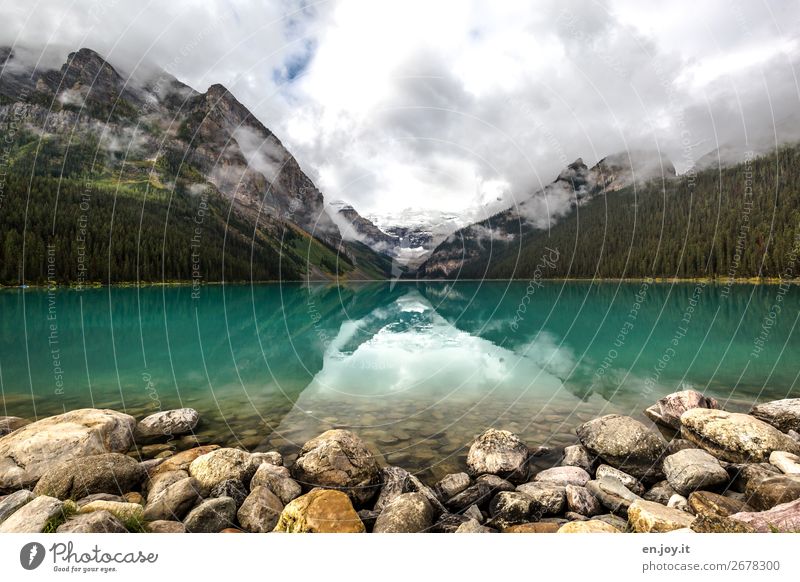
[69,509]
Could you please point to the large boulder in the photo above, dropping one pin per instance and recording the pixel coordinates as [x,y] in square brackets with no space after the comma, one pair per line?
[408,513]
[668,410]
[692,469]
[174,501]
[649,517]
[222,464]
[782,414]
[33,516]
[320,511]
[112,473]
[211,516]
[339,459]
[781,518]
[734,437]
[260,511]
[624,443]
[29,452]
[94,522]
[167,423]
[499,452]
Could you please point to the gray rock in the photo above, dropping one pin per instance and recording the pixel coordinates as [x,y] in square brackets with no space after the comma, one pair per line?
[678,444]
[473,512]
[501,453]
[418,486]
[679,502]
[782,414]
[509,508]
[693,469]
[496,484]
[9,424]
[107,473]
[668,410]
[94,522]
[167,423]
[661,492]
[548,499]
[260,511]
[612,494]
[582,502]
[572,516]
[272,457]
[368,517]
[33,516]
[579,456]
[164,526]
[222,464]
[563,476]
[624,443]
[173,502]
[230,488]
[629,481]
[211,516]
[453,484]
[338,459]
[408,513]
[163,480]
[396,481]
[99,497]
[478,494]
[734,437]
[788,463]
[448,523]
[278,480]
[31,451]
[473,526]
[613,520]
[745,476]
[11,503]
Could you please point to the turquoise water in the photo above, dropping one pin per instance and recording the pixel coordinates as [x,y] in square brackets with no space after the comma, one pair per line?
[417,369]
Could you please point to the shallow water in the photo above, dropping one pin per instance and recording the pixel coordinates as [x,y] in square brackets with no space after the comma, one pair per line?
[416,369]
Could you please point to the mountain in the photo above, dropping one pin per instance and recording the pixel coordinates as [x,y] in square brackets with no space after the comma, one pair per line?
[473,250]
[739,221]
[125,179]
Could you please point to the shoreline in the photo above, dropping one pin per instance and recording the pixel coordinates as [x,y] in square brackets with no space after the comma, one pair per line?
[696,469]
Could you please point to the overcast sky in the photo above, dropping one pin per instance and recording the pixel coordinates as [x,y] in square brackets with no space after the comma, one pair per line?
[456,105]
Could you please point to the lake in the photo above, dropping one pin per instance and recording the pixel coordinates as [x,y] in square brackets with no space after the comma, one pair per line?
[416,369]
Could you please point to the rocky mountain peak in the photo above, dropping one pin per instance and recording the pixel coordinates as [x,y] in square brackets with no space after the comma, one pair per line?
[86,67]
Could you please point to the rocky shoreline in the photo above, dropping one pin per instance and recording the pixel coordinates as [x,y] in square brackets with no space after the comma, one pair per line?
[700,469]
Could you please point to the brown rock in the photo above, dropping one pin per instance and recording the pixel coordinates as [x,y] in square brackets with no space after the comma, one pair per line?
[320,511]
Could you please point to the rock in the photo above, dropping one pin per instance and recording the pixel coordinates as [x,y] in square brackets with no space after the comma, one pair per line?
[788,463]
[339,459]
[94,522]
[712,505]
[477,494]
[496,484]
[417,486]
[133,497]
[211,516]
[649,517]
[11,503]
[9,424]
[782,414]
[473,526]
[745,477]
[272,457]
[734,437]
[660,492]
[614,521]
[182,460]
[692,469]
[533,527]
[509,508]
[220,465]
[395,482]
[612,493]
[448,523]
[33,516]
[563,476]
[500,453]
[784,517]
[679,502]
[164,526]
[368,517]
[668,410]
[260,511]
[408,513]
[157,449]
[629,481]
[678,444]
[719,524]
[99,497]
[453,484]
[278,480]
[473,512]
[767,493]
[548,499]
[174,501]
[230,488]
[163,480]
[125,512]
[31,451]
[579,456]
[167,423]
[320,511]
[624,443]
[107,473]
[581,501]
[590,526]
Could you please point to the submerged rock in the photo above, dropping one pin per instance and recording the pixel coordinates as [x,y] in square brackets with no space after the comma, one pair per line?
[624,443]
[320,511]
[108,473]
[692,469]
[408,513]
[499,452]
[668,410]
[31,451]
[734,437]
[339,459]
[782,414]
